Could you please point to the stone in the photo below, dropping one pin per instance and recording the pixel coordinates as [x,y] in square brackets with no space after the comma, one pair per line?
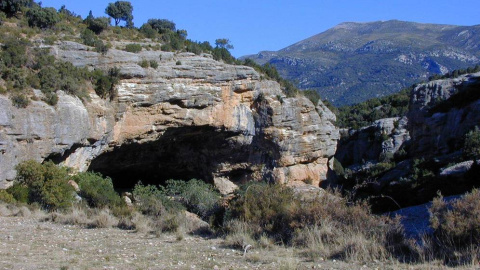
[194,224]
[437,124]
[203,119]
[384,137]
[74,185]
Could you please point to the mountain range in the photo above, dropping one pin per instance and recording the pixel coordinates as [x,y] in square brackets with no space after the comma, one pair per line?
[353,62]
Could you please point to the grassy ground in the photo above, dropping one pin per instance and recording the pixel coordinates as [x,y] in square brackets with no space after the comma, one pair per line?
[28,243]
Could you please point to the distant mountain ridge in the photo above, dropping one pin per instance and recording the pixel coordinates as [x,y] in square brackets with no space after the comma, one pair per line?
[352,62]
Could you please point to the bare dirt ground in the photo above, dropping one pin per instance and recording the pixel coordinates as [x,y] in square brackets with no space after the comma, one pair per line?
[27,243]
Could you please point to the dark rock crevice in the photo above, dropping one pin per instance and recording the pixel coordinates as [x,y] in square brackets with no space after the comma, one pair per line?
[182,153]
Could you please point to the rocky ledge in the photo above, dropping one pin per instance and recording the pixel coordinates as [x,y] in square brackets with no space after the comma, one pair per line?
[192,117]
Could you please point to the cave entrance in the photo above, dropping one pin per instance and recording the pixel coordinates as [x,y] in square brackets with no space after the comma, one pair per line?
[180,153]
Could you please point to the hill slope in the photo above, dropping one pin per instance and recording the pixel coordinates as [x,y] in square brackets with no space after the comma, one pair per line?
[352,62]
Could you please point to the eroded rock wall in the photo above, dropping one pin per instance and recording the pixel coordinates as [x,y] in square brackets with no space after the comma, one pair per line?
[234,125]
[442,112]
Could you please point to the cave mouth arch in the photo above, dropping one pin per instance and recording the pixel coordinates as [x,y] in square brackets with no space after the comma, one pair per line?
[184,153]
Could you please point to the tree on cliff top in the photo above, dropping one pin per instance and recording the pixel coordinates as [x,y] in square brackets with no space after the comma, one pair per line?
[223,43]
[11,7]
[120,11]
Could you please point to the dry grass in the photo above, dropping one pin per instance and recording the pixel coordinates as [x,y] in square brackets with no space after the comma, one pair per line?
[104,219]
[142,223]
[456,228]
[75,216]
[27,243]
[239,235]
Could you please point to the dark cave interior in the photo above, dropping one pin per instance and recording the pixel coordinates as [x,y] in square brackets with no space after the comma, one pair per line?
[180,153]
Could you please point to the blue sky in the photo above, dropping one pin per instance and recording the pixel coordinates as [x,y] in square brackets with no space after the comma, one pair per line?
[256,25]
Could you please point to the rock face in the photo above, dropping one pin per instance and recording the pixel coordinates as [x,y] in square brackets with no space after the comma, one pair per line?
[192,117]
[383,138]
[442,112]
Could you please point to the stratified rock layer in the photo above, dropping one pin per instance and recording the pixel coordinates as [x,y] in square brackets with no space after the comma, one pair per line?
[442,112]
[192,117]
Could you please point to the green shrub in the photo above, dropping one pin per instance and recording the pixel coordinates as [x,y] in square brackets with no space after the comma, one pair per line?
[6,197]
[19,192]
[97,191]
[42,17]
[196,195]
[133,48]
[20,100]
[166,48]
[105,83]
[153,64]
[51,98]
[471,148]
[56,193]
[162,25]
[100,47]
[98,25]
[153,201]
[178,63]
[11,7]
[47,184]
[148,31]
[144,63]
[14,52]
[29,172]
[88,37]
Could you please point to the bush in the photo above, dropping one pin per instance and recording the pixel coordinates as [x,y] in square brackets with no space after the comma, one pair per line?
[47,184]
[144,63]
[105,83]
[162,25]
[153,64]
[20,100]
[327,223]
[153,201]
[100,47]
[11,7]
[456,227]
[6,197]
[133,48]
[97,191]
[98,25]
[14,52]
[42,17]
[88,37]
[197,196]
[471,148]
[19,192]
[268,208]
[148,31]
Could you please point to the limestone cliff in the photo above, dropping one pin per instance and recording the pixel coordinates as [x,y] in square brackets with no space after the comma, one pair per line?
[442,112]
[190,117]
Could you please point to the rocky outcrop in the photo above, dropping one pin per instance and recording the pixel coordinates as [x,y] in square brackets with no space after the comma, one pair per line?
[192,117]
[442,112]
[380,140]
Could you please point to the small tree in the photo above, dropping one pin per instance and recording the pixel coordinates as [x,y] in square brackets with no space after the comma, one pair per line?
[42,17]
[11,7]
[223,43]
[97,25]
[121,11]
[162,25]
[471,148]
